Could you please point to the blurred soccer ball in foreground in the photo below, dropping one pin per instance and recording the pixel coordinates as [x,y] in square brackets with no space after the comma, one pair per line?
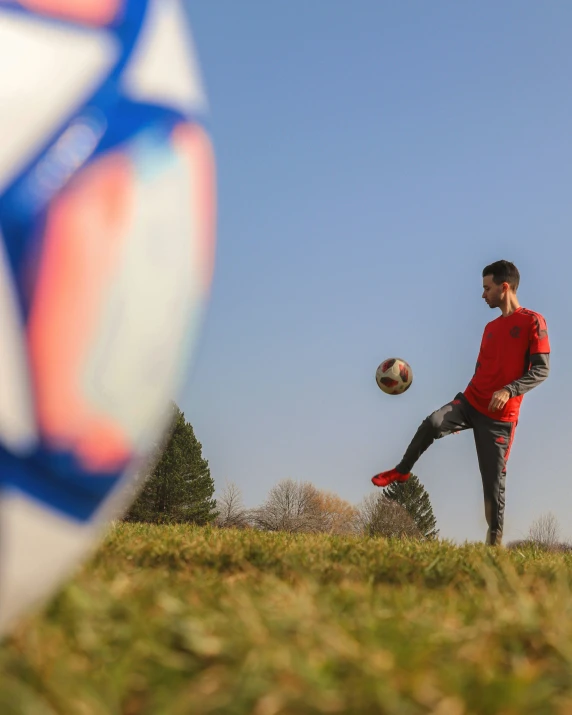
[107,223]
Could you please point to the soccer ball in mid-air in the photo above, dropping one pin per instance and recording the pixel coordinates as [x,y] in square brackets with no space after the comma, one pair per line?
[394,376]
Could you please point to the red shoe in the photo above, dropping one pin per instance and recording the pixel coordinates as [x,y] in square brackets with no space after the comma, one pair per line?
[386,478]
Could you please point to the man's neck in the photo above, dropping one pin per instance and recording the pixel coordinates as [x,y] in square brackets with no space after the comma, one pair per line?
[509,306]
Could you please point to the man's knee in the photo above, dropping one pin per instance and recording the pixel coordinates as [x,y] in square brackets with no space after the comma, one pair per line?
[434,424]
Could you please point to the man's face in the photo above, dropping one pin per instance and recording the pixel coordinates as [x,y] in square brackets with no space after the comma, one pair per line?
[493,293]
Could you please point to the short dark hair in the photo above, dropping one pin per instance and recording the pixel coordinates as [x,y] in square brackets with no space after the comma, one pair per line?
[503,272]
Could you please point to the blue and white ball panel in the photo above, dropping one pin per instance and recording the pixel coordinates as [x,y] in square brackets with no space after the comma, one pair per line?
[106,247]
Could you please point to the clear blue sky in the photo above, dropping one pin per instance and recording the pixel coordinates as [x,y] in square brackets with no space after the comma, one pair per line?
[372,158]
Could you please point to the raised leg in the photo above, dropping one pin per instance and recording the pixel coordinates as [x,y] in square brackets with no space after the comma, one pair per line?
[452,417]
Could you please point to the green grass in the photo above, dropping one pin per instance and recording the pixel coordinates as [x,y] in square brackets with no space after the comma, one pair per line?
[180,620]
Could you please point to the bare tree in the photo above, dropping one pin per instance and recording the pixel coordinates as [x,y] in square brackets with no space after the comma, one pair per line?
[232,512]
[380,516]
[290,506]
[338,515]
[545,531]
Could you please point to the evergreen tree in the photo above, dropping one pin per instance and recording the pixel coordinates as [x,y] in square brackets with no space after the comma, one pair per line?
[180,487]
[412,496]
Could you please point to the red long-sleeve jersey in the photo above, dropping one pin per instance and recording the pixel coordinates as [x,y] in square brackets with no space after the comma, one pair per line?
[513,355]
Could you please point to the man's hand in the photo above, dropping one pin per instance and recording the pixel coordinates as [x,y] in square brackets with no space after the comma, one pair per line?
[499,400]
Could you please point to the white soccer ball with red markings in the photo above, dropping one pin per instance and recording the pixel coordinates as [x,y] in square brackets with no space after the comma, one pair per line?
[394,376]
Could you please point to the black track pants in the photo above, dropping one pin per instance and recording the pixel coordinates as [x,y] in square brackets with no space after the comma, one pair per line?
[493,440]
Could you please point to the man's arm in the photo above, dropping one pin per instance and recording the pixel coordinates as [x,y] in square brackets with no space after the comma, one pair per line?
[536,374]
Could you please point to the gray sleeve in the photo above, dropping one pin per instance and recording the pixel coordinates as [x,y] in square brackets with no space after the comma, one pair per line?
[537,373]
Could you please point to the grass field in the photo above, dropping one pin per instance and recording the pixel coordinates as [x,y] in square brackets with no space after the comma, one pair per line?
[181,620]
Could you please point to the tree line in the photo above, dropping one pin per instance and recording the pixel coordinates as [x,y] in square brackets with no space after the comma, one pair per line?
[401,510]
[178,487]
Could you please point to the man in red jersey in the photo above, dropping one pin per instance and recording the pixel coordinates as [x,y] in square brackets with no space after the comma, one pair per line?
[513,358]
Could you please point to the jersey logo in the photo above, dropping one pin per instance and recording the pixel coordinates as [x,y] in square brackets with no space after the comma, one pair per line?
[515,331]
